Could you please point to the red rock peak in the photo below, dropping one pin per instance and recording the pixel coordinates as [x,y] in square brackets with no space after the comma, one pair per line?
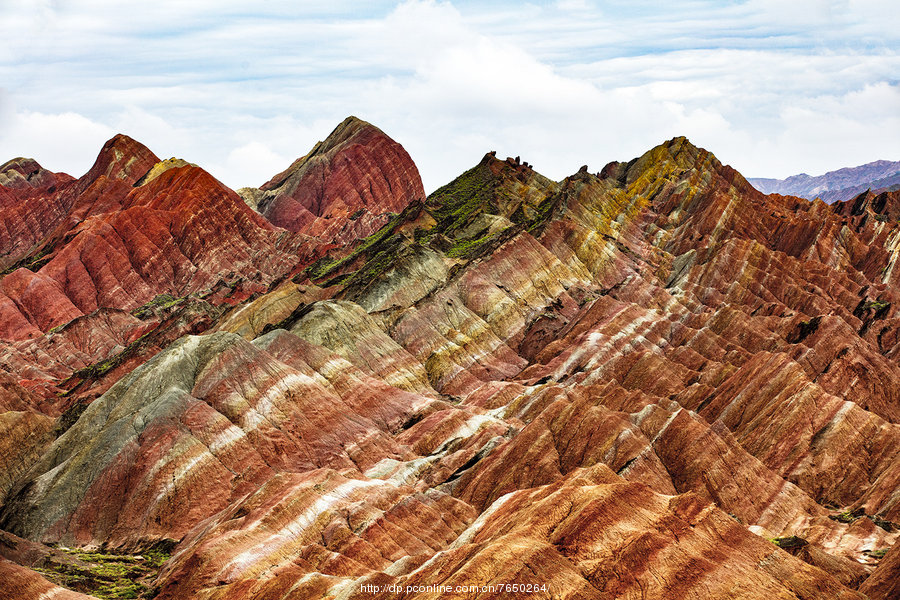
[357,167]
[122,158]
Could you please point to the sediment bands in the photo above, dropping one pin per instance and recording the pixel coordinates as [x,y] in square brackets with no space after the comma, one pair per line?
[651,381]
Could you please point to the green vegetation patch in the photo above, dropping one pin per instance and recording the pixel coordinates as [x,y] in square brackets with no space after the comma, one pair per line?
[379,262]
[470,194]
[789,542]
[469,248]
[33,263]
[99,369]
[160,302]
[870,310]
[848,516]
[877,305]
[69,418]
[325,266]
[543,214]
[888,526]
[107,575]
[803,330]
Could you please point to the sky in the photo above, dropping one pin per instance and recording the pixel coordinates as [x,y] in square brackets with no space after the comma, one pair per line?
[772,87]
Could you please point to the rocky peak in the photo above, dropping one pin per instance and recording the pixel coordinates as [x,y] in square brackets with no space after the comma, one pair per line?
[18,172]
[679,160]
[677,155]
[160,168]
[510,189]
[356,168]
[25,173]
[349,128]
[884,206]
[342,135]
[121,158]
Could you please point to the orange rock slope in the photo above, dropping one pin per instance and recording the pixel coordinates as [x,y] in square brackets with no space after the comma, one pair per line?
[648,382]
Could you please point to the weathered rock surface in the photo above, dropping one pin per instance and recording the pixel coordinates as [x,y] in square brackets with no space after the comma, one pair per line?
[593,536]
[342,188]
[279,307]
[884,583]
[347,330]
[21,583]
[212,417]
[653,381]
[24,436]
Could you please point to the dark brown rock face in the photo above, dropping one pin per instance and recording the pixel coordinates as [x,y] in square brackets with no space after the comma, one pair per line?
[653,382]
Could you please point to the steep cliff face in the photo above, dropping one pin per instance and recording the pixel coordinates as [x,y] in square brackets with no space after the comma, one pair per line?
[649,381]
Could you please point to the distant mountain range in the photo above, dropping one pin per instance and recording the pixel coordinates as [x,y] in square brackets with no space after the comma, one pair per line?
[835,186]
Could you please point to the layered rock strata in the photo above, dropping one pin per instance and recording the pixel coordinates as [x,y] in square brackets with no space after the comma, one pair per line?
[650,381]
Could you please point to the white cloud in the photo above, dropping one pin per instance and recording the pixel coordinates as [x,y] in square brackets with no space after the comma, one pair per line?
[573,5]
[773,88]
[254,163]
[66,142]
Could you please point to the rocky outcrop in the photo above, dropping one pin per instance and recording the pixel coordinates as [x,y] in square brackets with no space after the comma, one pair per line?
[280,307]
[21,177]
[341,190]
[347,330]
[24,436]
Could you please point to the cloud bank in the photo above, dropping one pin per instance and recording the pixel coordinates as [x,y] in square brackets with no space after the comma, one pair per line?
[771,88]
